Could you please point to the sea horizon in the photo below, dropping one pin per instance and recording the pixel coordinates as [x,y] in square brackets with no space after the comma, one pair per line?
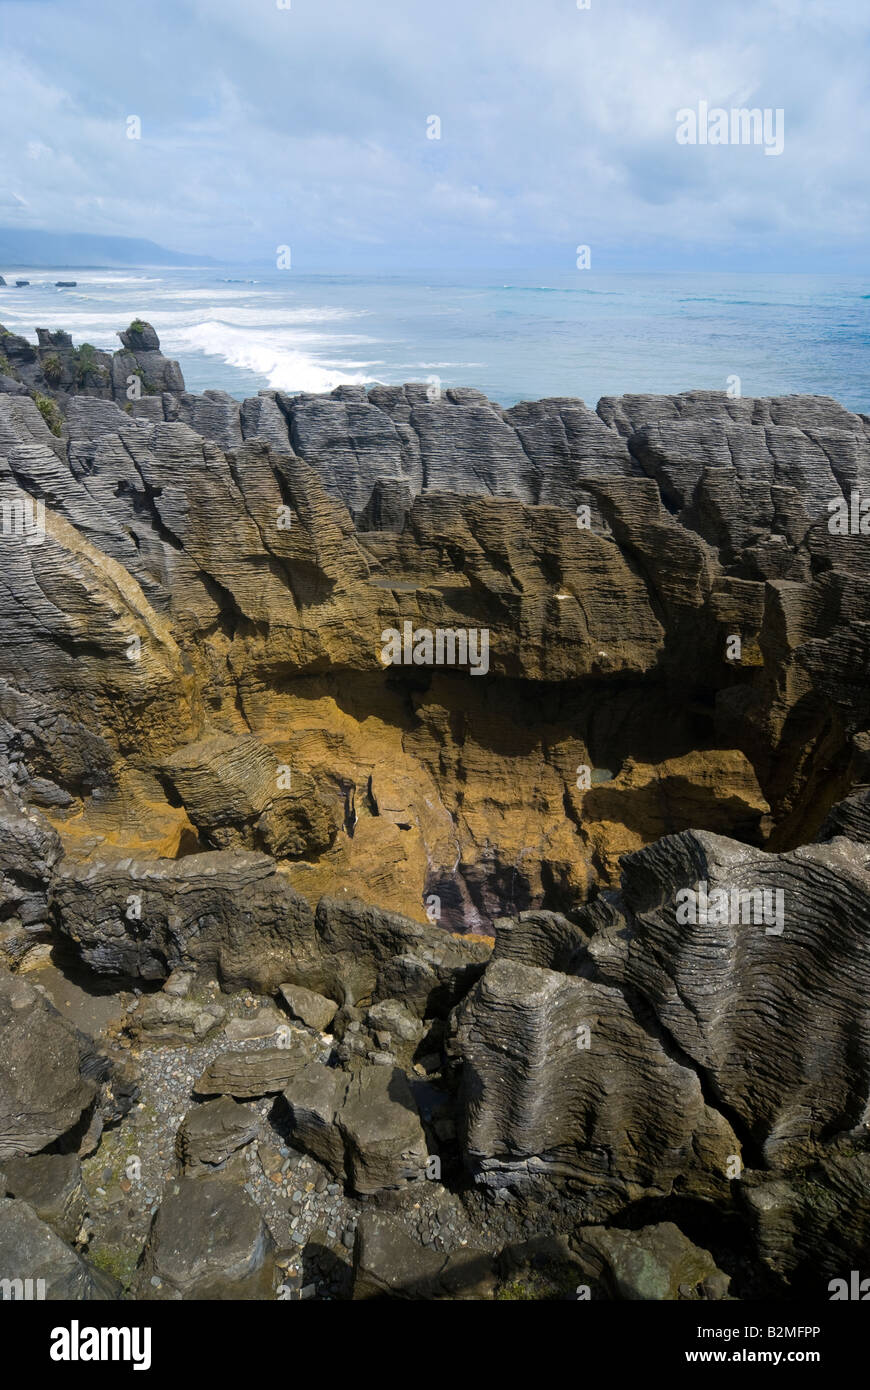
[512,333]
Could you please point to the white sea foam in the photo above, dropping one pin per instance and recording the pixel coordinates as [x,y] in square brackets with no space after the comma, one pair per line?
[210,295]
[249,316]
[280,357]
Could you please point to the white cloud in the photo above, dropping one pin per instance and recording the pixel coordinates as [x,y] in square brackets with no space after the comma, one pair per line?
[309,125]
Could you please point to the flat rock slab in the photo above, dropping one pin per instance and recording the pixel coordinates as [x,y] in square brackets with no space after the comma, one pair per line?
[247,1075]
[313,1009]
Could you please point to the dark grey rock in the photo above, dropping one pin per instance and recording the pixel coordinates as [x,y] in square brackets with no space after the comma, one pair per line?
[48,1078]
[52,1185]
[212,1132]
[208,1241]
[36,1263]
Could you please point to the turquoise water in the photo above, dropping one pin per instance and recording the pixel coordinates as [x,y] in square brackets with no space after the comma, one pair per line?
[511,335]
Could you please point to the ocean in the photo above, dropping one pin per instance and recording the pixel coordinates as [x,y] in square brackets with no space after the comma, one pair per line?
[512,335]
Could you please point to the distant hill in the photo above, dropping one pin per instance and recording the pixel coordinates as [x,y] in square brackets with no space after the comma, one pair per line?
[79,251]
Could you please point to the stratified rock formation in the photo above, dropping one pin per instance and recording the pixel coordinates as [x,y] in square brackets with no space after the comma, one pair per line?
[307,700]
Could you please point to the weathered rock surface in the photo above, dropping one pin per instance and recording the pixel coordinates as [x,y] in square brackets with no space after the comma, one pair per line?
[208,1241]
[561,1081]
[657,1263]
[207,769]
[195,660]
[230,910]
[388,1264]
[48,1077]
[378,955]
[52,1185]
[720,991]
[246,1075]
[812,1225]
[767,1004]
[213,1131]
[238,912]
[31,1251]
[364,1126]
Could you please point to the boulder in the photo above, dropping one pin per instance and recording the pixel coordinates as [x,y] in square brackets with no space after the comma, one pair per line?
[311,1009]
[656,1264]
[47,1081]
[212,1132]
[364,1126]
[207,1241]
[394,1018]
[384,1141]
[52,1185]
[36,1264]
[314,1099]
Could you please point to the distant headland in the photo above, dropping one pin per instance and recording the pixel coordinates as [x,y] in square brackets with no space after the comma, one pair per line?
[83,251]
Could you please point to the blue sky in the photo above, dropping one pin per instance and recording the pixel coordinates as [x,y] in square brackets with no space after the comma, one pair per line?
[307,126]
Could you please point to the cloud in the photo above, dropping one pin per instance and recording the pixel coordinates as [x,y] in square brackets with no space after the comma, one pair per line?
[308,126]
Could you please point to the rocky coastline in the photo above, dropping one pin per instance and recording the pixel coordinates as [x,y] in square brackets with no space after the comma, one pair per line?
[341,966]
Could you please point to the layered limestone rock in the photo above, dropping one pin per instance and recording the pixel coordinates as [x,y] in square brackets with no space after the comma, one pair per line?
[364,1127]
[759,985]
[192,653]
[314,696]
[560,1081]
[702,1034]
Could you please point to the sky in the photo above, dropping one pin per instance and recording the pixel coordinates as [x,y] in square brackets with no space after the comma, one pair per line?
[307,126]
